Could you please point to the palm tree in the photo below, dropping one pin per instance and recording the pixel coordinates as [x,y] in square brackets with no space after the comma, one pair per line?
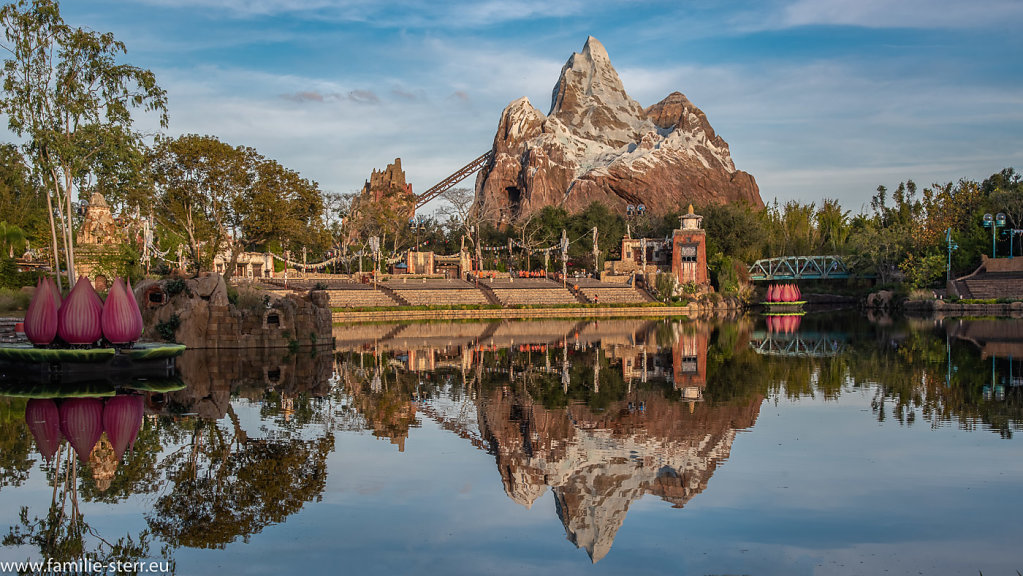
[12,239]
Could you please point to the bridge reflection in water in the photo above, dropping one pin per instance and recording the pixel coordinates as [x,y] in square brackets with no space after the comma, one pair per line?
[784,338]
[599,414]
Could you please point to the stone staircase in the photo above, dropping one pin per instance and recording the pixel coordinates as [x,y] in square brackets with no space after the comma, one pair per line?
[7,333]
[991,286]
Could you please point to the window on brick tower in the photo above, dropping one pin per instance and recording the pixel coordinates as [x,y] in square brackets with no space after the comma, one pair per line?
[688,252]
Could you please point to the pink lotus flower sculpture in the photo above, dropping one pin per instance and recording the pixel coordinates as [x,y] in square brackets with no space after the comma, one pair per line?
[81,421]
[79,318]
[41,317]
[135,306]
[122,418]
[121,319]
[43,421]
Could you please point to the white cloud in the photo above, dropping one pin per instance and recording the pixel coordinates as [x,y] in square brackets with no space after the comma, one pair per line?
[400,14]
[834,129]
[901,14]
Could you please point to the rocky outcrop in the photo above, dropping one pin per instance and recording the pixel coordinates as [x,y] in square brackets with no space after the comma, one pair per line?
[385,204]
[199,313]
[598,145]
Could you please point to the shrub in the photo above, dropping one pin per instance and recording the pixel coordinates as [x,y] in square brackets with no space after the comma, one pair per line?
[167,329]
[249,298]
[919,294]
[12,299]
[175,286]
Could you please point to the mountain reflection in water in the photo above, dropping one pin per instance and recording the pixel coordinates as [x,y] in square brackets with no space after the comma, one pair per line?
[599,413]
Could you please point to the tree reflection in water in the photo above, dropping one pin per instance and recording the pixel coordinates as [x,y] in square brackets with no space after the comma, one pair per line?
[599,414]
[227,482]
[63,535]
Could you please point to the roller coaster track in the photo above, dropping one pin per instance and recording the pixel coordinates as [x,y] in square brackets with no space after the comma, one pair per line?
[449,182]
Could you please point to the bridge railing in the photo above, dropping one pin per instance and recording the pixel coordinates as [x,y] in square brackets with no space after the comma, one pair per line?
[799,268]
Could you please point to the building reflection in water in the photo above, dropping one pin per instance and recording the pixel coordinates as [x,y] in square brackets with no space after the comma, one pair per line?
[1001,344]
[599,413]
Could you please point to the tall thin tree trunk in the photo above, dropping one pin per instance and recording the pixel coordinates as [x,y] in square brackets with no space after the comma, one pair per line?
[70,234]
[64,236]
[53,237]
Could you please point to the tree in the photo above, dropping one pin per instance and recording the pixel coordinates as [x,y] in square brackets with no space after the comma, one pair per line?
[12,240]
[62,86]
[1005,193]
[737,230]
[832,226]
[464,217]
[218,197]
[276,204]
[21,202]
[197,181]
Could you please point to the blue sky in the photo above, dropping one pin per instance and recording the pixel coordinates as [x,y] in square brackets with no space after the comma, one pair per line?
[817,99]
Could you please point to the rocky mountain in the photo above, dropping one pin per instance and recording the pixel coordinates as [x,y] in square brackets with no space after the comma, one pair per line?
[598,144]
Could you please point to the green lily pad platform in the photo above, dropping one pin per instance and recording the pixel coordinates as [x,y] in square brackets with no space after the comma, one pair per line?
[29,387]
[777,308]
[140,352]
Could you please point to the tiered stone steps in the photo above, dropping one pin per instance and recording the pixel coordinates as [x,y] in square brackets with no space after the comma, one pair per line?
[596,291]
[993,285]
[436,292]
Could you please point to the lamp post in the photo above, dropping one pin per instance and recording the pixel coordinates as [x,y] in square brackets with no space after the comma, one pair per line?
[951,246]
[994,223]
[1012,234]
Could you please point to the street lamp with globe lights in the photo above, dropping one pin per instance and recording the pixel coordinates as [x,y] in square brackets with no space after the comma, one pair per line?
[994,223]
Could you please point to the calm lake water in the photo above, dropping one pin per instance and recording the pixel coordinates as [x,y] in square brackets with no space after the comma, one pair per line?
[831,444]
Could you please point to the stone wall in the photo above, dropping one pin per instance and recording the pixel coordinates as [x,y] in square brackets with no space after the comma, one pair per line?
[206,317]
[1001,264]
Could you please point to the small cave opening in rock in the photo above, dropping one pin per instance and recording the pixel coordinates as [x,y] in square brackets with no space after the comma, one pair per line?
[155,297]
[514,198]
[274,375]
[273,320]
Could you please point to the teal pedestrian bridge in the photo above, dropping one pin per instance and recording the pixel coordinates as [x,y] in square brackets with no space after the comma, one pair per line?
[800,268]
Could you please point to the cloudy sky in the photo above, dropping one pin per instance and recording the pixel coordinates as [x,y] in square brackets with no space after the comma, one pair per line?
[817,98]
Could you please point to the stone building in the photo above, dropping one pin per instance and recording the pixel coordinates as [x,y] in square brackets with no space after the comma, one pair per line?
[684,253]
[98,237]
[250,265]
